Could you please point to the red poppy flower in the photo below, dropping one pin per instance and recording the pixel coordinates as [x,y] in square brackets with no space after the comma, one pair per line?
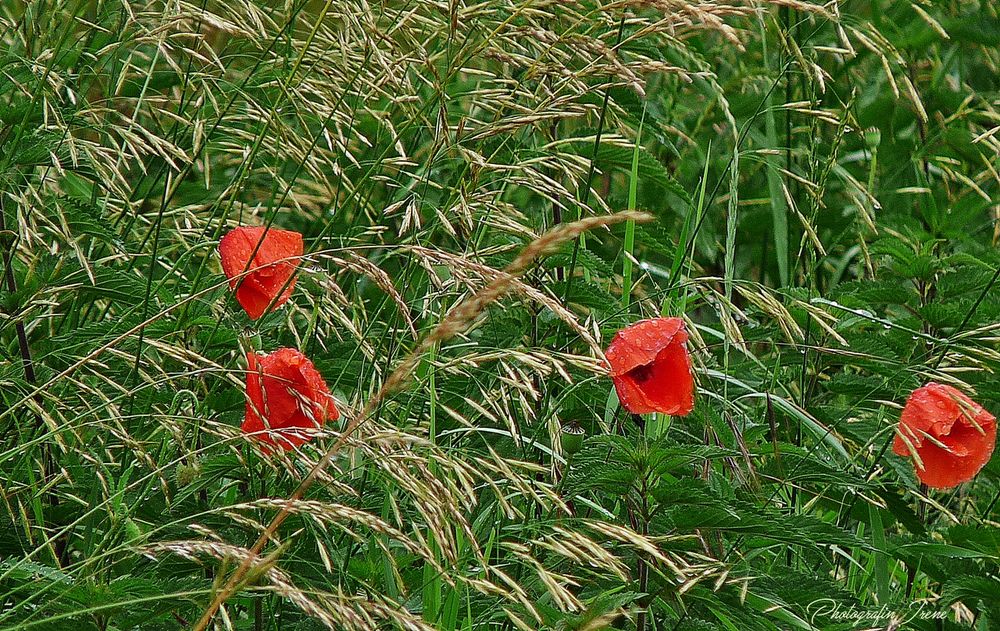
[651,369]
[271,276]
[949,436]
[287,398]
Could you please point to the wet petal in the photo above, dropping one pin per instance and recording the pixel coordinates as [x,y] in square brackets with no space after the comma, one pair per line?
[949,436]
[669,386]
[639,344]
[651,369]
[271,274]
[287,396]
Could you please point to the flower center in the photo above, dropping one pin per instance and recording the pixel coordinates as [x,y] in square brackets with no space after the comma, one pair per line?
[641,374]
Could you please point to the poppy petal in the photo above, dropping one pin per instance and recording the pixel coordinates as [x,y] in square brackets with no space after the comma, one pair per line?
[650,367]
[639,343]
[943,470]
[269,278]
[949,436]
[287,399]
[253,301]
[670,386]
[631,396]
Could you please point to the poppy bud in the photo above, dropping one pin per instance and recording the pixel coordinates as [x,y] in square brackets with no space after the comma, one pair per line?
[266,282]
[873,137]
[251,339]
[949,436]
[287,399]
[651,369]
[571,437]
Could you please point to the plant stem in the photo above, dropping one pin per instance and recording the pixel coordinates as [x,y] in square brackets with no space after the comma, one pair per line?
[8,259]
[8,239]
[585,194]
[643,566]
[633,186]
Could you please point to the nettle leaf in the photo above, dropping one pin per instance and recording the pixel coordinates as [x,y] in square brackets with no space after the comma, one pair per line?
[71,595]
[692,623]
[962,281]
[618,157]
[655,124]
[224,400]
[802,590]
[892,248]
[966,261]
[919,266]
[657,238]
[973,590]
[663,459]
[901,511]
[686,491]
[597,606]
[588,294]
[502,328]
[860,386]
[208,472]
[872,350]
[105,281]
[24,571]
[695,624]
[865,294]
[794,464]
[77,218]
[585,259]
[605,463]
[748,611]
[740,517]
[88,336]
[986,540]
[944,550]
[942,315]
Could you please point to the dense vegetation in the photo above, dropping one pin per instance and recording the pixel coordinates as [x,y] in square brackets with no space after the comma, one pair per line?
[820,192]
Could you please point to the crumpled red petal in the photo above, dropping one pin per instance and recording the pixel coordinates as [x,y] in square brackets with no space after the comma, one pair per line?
[949,436]
[287,398]
[639,343]
[944,470]
[651,369]
[271,279]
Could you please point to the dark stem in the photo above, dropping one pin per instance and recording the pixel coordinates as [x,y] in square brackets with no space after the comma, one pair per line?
[8,240]
[557,217]
[258,601]
[592,170]
[911,570]
[640,422]
[8,258]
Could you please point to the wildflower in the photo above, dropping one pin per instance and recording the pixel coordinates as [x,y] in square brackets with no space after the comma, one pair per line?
[949,436]
[287,399]
[651,369]
[271,276]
